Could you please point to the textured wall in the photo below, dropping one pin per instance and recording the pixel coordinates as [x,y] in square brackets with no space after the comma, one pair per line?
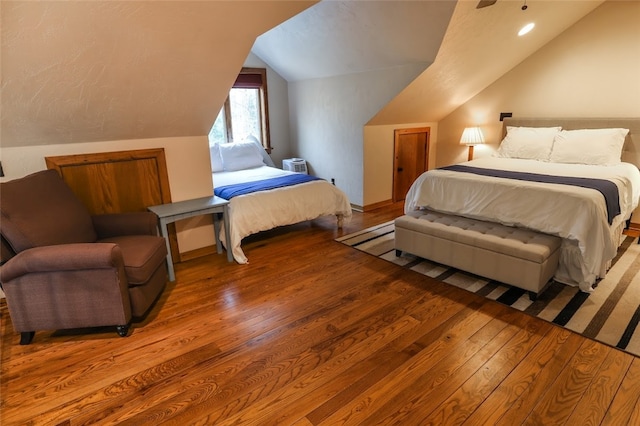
[109,70]
[328,116]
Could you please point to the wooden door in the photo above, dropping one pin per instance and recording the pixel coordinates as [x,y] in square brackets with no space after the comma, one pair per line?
[411,158]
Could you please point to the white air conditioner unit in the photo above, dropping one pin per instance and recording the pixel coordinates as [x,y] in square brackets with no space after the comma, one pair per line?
[297,165]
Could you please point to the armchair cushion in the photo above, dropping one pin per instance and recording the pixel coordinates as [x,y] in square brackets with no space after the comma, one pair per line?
[41,210]
[142,255]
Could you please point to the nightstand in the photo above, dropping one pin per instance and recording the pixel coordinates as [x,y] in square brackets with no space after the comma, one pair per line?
[171,212]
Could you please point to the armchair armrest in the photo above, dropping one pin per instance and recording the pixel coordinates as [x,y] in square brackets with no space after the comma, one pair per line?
[119,224]
[62,258]
[66,286]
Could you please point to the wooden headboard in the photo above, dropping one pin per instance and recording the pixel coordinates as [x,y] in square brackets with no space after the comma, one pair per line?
[630,150]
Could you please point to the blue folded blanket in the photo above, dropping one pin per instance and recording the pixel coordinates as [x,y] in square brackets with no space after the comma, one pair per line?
[229,191]
[608,189]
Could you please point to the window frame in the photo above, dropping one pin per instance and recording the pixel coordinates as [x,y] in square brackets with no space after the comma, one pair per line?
[265,139]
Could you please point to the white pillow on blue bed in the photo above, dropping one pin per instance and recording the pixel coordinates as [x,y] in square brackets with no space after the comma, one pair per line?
[240,156]
[216,159]
[532,143]
[589,146]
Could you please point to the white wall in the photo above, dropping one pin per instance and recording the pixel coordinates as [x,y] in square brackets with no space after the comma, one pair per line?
[188,167]
[327,117]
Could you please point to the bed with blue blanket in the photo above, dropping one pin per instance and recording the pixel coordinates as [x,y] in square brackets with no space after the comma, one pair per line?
[263,198]
[556,177]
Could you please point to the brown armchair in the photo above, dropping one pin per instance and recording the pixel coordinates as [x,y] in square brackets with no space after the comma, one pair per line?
[63,268]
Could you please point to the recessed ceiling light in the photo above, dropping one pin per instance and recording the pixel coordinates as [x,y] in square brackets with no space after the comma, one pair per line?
[526,29]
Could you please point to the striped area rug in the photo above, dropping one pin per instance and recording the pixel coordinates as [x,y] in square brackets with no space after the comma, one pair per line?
[609,315]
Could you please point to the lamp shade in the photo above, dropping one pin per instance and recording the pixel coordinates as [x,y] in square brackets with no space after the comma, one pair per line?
[472,136]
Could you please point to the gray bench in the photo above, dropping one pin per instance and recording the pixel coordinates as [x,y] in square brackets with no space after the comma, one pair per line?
[515,256]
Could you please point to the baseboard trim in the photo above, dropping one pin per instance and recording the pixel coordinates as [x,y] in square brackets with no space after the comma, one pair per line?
[377,205]
[370,207]
[633,230]
[199,252]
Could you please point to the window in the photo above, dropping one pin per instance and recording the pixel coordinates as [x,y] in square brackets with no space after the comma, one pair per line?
[245,110]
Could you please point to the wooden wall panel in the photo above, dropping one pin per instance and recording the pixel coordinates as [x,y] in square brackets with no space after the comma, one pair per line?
[118,182]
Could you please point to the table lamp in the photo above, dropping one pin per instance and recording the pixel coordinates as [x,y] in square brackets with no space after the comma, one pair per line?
[471,136]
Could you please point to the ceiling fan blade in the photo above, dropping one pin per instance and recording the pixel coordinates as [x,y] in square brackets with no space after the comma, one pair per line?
[485,3]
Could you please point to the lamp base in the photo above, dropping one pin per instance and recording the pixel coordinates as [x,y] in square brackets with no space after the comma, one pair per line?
[470,152]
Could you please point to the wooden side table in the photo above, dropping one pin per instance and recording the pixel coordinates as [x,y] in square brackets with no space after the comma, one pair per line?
[168,213]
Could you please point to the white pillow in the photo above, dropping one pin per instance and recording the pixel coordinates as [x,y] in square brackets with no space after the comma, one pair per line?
[533,143]
[216,159]
[265,157]
[240,156]
[589,146]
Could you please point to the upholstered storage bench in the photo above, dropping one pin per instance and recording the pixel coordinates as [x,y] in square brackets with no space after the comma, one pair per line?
[515,256]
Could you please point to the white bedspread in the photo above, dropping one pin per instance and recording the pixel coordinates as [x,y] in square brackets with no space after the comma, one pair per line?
[264,210]
[576,214]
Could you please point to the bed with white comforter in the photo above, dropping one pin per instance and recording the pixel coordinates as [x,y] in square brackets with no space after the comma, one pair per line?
[264,210]
[578,215]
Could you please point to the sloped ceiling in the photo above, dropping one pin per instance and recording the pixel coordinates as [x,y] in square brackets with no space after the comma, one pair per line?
[87,71]
[479,47]
[345,37]
[84,71]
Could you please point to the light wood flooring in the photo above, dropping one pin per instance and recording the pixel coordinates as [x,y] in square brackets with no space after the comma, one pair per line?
[312,332]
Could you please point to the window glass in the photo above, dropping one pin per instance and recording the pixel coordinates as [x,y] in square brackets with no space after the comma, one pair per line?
[245,113]
[218,133]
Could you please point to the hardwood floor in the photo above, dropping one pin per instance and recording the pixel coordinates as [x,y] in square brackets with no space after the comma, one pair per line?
[312,332]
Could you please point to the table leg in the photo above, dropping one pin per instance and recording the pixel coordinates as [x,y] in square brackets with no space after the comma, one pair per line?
[165,234]
[227,232]
[216,231]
